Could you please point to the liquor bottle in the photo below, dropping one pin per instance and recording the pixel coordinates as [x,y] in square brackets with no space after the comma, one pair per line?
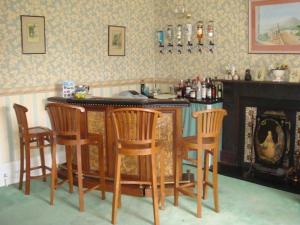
[142,87]
[220,92]
[188,89]
[213,91]
[203,94]
[199,91]
[208,89]
[179,89]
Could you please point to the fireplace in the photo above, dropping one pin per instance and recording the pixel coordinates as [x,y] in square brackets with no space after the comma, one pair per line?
[261,133]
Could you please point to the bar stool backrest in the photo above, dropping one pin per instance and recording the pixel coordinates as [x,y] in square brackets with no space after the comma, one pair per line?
[22,120]
[209,122]
[65,119]
[135,128]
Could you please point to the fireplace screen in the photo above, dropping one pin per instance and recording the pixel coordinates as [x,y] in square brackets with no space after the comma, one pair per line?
[270,139]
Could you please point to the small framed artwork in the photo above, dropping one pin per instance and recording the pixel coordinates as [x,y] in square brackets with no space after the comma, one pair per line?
[274,26]
[116,40]
[260,74]
[294,75]
[33,34]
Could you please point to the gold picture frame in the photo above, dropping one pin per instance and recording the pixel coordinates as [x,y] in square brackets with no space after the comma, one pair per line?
[33,35]
[274,26]
[116,40]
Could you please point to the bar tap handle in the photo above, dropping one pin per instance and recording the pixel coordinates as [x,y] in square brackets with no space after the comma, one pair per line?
[200,47]
[179,48]
[189,47]
[161,47]
[170,47]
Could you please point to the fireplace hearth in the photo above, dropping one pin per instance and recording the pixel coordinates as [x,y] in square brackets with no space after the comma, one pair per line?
[261,134]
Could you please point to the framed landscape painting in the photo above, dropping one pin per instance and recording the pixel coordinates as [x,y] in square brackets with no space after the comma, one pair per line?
[274,26]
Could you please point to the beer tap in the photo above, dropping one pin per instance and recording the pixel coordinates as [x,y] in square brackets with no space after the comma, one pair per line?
[210,35]
[179,38]
[169,37]
[160,39]
[189,33]
[199,35]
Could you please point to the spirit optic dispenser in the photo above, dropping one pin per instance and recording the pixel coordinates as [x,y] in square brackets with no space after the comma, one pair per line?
[179,38]
[189,33]
[210,35]
[170,37]
[161,40]
[199,35]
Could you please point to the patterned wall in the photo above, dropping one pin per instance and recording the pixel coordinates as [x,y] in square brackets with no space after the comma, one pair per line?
[37,116]
[76,36]
[231,26]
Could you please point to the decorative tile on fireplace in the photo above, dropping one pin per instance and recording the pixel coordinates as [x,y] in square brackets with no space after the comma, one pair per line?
[250,123]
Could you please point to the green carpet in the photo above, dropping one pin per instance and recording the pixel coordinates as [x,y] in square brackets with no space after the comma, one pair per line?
[241,203]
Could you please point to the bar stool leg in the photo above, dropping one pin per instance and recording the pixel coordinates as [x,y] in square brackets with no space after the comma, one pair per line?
[21,164]
[199,183]
[215,180]
[69,157]
[27,182]
[205,177]
[176,192]
[101,169]
[162,179]
[53,173]
[41,144]
[154,189]
[79,177]
[116,188]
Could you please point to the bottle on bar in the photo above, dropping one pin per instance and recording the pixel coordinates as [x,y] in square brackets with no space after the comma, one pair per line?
[188,88]
[199,90]
[220,92]
[213,91]
[208,89]
[178,89]
[203,94]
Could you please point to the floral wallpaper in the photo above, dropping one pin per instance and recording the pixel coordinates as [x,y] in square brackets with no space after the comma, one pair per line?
[76,39]
[231,27]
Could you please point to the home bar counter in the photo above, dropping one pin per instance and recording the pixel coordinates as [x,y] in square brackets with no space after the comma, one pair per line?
[98,119]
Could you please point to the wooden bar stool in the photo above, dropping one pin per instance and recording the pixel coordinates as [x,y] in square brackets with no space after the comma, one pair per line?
[66,124]
[31,138]
[209,127]
[135,130]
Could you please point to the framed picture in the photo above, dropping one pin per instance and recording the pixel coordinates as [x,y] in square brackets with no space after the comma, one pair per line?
[274,26]
[33,34]
[294,74]
[260,74]
[116,41]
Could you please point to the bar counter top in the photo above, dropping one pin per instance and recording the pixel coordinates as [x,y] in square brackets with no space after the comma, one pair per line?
[150,102]
[100,101]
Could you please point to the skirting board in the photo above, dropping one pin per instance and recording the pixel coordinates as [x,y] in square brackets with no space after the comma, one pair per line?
[9,172]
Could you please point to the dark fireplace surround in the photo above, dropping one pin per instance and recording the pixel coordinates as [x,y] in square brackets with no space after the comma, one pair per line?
[276,96]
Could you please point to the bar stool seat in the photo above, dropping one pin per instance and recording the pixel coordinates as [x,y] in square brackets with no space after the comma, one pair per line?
[209,126]
[31,138]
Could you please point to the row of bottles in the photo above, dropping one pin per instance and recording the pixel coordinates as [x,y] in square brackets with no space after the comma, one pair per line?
[207,89]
